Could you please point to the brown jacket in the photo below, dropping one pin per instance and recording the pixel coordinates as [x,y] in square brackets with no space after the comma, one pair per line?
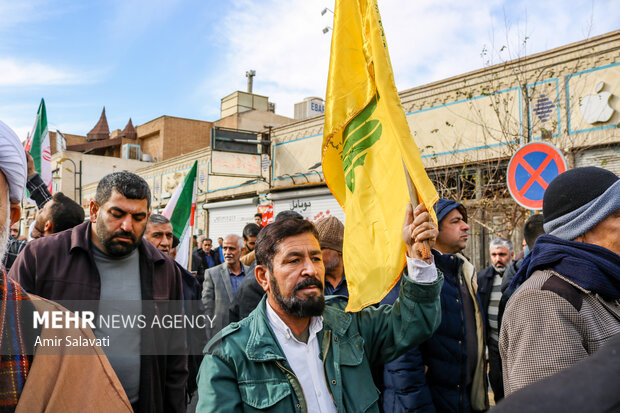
[550,324]
[249,259]
[61,267]
[63,379]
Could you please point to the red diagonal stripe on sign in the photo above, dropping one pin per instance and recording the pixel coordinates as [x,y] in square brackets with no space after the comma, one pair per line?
[535,174]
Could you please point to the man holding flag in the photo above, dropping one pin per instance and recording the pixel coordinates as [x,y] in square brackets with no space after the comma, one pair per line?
[293,353]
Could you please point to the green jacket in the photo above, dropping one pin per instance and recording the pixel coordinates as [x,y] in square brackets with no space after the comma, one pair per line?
[245,370]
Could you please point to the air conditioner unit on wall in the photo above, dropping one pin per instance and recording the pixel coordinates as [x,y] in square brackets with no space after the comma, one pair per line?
[131,151]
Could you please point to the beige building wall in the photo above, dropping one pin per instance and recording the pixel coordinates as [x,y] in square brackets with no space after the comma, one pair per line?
[238,102]
[94,168]
[489,113]
[150,138]
[253,120]
[296,148]
[164,177]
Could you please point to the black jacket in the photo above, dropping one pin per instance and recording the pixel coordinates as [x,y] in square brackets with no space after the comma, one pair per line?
[485,284]
[247,298]
[199,263]
[196,337]
[430,377]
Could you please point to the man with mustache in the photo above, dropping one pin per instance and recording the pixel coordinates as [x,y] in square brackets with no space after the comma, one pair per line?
[250,292]
[221,284]
[204,258]
[39,378]
[159,233]
[105,260]
[294,353]
[490,292]
[447,372]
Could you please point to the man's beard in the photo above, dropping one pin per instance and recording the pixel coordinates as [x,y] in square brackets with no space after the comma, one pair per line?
[299,307]
[113,247]
[330,266]
[4,235]
[499,269]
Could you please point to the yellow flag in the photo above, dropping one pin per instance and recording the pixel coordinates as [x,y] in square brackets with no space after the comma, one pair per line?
[366,141]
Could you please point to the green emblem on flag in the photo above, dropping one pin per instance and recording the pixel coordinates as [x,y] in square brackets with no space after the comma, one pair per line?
[359,135]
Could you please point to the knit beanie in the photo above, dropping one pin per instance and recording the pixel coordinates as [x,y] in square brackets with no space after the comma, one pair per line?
[578,200]
[444,206]
[331,232]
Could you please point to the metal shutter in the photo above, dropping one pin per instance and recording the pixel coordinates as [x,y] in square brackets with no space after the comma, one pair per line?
[227,219]
[608,158]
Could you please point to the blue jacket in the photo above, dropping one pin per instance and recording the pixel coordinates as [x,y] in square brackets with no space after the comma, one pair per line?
[407,387]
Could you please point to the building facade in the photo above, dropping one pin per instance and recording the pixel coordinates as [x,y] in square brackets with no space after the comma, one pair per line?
[467,128]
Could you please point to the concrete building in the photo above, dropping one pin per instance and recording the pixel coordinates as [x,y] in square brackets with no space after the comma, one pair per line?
[467,127]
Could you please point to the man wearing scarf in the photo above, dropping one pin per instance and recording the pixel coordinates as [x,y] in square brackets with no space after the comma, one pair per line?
[568,304]
[37,379]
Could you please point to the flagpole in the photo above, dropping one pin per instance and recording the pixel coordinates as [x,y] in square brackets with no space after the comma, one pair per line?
[191,246]
[413,195]
[192,217]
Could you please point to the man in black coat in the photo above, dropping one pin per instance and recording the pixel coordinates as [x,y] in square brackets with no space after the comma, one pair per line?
[204,258]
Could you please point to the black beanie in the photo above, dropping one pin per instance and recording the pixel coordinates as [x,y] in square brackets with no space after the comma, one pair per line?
[575,188]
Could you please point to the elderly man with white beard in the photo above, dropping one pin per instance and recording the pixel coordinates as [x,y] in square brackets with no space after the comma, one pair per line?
[35,379]
[490,293]
[221,284]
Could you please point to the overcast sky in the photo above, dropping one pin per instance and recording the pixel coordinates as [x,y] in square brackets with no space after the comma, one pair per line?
[147,58]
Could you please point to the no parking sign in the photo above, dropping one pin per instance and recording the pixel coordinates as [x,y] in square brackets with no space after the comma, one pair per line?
[531,170]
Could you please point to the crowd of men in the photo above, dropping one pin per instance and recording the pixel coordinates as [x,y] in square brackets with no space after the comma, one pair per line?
[278,338]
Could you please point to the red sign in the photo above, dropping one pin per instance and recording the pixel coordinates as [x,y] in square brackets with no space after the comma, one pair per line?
[531,170]
[267,212]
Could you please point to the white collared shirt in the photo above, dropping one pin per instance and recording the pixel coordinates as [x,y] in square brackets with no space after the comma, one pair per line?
[305,362]
[304,358]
